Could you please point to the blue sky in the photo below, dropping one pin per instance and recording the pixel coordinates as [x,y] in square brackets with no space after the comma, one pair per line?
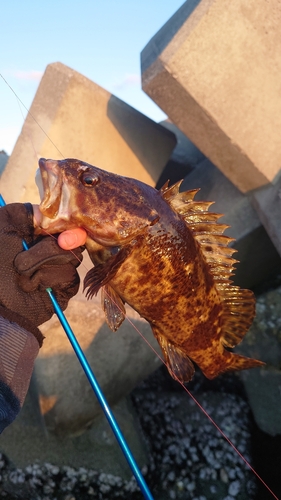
[102,39]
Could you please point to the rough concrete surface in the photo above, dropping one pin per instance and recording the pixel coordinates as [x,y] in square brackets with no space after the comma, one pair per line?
[27,441]
[263,341]
[82,120]
[216,73]
[267,202]
[184,158]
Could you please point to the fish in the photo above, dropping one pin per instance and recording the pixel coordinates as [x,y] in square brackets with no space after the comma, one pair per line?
[160,251]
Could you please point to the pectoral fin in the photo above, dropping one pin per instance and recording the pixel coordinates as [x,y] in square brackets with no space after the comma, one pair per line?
[113,307]
[178,363]
[101,274]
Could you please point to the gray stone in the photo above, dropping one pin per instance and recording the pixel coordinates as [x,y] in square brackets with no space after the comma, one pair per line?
[188,450]
[267,202]
[264,394]
[263,341]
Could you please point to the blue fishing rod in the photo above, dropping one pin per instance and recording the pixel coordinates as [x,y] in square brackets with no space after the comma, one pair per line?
[96,388]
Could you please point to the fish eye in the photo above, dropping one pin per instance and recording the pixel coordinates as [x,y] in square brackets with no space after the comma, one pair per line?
[89,180]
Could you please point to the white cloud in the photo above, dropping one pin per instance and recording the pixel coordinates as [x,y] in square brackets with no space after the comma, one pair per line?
[129,80]
[31,75]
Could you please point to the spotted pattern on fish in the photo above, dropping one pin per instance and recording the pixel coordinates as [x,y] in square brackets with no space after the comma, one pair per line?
[163,253]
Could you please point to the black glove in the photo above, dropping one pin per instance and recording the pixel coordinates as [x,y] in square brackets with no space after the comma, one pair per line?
[25,275]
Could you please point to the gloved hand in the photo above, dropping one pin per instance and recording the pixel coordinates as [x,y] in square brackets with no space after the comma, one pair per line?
[24,302]
[24,275]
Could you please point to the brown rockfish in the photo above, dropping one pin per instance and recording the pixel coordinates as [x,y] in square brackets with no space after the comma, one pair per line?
[161,252]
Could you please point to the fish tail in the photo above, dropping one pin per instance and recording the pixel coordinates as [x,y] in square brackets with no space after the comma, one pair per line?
[232,361]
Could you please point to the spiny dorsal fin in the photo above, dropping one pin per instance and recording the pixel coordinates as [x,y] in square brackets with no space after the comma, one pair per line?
[165,187]
[175,198]
[238,305]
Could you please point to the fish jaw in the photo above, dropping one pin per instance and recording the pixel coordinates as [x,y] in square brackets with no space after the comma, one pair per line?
[51,177]
[55,195]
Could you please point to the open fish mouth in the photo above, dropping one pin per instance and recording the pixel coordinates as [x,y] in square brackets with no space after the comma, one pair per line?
[54,195]
[52,186]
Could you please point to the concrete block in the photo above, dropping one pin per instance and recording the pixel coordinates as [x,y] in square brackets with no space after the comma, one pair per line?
[263,341]
[73,117]
[183,159]
[27,441]
[215,72]
[267,202]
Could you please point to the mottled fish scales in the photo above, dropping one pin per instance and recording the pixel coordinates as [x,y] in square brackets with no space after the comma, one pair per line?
[163,253]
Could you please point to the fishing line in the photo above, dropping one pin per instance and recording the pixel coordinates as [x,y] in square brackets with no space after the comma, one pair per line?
[33,117]
[95,386]
[28,131]
[185,388]
[198,404]
[142,336]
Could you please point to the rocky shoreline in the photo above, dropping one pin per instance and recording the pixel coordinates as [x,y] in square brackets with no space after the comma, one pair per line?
[188,457]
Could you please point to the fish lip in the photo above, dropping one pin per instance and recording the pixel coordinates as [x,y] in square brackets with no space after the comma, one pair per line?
[55,197]
[52,181]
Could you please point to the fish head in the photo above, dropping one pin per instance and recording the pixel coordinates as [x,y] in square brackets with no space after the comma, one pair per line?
[111,208]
